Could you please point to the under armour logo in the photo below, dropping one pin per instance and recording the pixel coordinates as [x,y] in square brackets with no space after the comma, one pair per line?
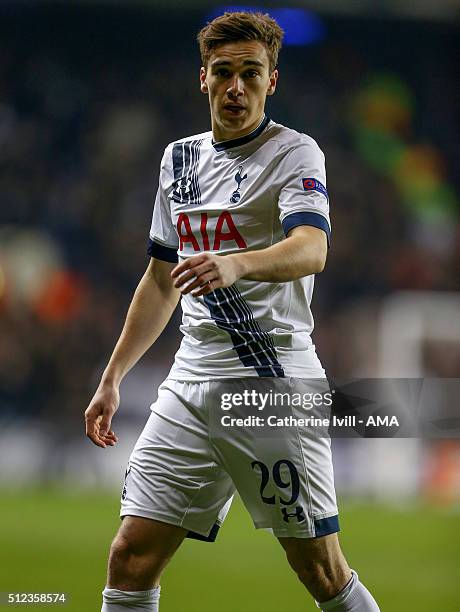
[239,178]
[298,514]
[183,185]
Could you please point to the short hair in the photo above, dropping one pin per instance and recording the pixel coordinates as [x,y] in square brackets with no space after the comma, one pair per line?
[239,26]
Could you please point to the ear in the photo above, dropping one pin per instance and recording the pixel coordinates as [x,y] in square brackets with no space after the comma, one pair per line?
[272,84]
[203,84]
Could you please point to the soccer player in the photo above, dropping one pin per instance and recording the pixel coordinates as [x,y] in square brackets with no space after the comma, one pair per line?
[240,227]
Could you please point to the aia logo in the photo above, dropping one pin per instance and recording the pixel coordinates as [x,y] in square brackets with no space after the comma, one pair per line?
[239,178]
[212,231]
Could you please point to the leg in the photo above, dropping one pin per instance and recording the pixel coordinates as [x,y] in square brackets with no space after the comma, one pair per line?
[139,553]
[172,479]
[319,564]
[321,567]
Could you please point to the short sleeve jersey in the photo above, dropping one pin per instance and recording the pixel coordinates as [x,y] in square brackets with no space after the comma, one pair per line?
[242,195]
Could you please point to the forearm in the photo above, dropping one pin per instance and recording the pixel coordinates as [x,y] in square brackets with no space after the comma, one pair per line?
[293,258]
[151,308]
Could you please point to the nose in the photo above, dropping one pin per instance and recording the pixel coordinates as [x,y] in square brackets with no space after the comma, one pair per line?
[235,88]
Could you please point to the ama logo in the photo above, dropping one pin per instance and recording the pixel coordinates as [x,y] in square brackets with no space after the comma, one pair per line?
[239,178]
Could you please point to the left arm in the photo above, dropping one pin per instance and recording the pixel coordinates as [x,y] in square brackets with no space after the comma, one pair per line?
[302,253]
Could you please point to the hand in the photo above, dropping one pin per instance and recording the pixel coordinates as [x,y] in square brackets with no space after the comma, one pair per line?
[98,416]
[205,273]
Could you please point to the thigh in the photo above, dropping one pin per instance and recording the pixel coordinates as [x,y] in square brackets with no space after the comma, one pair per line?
[172,475]
[284,474]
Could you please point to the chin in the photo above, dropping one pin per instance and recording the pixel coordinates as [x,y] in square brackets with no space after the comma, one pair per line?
[235,123]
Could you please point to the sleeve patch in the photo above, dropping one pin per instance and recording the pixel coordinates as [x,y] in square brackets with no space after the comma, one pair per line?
[312,184]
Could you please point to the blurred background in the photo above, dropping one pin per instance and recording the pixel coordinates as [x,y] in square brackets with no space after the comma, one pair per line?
[90,94]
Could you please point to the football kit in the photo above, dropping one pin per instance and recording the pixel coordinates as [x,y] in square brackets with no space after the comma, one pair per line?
[242,195]
[222,198]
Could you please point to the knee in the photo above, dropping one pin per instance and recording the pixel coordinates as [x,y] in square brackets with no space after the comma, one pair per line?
[121,551]
[130,567]
[136,559]
[128,550]
[121,546]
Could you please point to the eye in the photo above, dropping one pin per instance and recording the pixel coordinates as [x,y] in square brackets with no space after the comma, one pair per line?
[221,72]
[251,74]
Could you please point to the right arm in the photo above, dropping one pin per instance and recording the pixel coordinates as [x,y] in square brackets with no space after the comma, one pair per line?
[151,308]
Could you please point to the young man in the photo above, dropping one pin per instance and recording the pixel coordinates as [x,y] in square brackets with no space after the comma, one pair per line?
[244,210]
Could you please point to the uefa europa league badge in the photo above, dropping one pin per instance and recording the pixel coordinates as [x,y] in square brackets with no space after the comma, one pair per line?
[239,178]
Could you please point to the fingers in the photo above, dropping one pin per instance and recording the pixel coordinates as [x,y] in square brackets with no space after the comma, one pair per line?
[199,275]
[203,274]
[183,278]
[98,429]
[110,439]
[187,264]
[93,434]
[209,287]
[99,439]
[196,272]
[104,425]
[200,282]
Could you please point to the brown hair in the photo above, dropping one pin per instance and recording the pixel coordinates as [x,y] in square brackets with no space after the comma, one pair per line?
[238,26]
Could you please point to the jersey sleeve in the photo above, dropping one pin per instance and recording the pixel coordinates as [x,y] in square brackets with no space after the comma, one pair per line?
[163,240]
[303,198]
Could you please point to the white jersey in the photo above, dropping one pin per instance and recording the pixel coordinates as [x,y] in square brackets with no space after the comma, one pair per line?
[229,197]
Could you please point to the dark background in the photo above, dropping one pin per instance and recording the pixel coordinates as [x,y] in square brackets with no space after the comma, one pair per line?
[89,98]
[90,94]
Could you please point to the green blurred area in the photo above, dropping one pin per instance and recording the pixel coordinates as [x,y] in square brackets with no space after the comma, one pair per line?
[58,541]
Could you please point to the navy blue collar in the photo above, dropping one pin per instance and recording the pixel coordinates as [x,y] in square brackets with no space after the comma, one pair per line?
[237,142]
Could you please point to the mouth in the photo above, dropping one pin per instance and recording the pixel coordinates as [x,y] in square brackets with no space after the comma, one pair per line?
[234,109]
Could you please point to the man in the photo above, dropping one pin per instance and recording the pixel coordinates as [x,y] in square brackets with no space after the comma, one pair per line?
[244,210]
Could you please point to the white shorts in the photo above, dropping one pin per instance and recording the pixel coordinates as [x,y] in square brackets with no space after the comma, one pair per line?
[188,461]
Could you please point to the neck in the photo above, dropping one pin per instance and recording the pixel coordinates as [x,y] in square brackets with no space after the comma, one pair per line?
[220,134]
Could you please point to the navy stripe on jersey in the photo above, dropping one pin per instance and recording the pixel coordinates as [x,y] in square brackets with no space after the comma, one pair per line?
[254,347]
[195,163]
[246,313]
[160,251]
[307,218]
[186,158]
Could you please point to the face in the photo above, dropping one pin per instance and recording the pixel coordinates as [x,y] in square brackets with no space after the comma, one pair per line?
[237,81]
